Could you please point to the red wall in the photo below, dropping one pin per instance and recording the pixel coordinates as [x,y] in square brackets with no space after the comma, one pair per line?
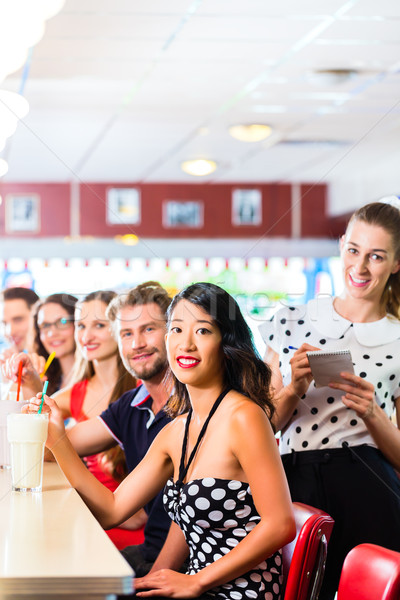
[276,214]
[54,207]
[217,211]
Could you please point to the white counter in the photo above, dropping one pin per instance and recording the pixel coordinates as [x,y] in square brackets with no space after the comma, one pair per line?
[51,546]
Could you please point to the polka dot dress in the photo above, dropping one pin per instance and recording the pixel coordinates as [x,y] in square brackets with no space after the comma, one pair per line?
[215,515]
[321,420]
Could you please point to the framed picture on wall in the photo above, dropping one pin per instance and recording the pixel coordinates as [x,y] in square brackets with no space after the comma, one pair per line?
[246,207]
[183,213]
[123,206]
[22,213]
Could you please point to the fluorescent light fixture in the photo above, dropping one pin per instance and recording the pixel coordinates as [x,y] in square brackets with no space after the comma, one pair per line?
[199,167]
[254,132]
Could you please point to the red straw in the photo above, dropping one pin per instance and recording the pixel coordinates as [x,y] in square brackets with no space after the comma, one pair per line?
[19,379]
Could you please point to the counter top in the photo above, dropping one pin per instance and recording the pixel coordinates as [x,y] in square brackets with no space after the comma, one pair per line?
[51,544]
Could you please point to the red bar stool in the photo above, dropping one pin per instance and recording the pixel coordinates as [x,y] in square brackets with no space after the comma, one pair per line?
[370,572]
[304,558]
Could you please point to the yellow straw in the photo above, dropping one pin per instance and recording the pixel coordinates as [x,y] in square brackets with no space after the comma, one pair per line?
[48,363]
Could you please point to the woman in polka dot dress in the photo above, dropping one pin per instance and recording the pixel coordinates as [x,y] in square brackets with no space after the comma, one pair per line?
[225,487]
[338,444]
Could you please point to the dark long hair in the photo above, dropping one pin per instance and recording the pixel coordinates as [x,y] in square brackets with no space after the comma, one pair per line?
[67,302]
[382,214]
[244,370]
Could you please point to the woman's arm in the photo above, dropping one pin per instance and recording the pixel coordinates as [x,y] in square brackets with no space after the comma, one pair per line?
[360,396]
[136,490]
[259,458]
[63,400]
[173,553]
[286,398]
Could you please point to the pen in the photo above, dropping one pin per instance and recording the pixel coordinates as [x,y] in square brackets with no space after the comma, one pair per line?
[292,348]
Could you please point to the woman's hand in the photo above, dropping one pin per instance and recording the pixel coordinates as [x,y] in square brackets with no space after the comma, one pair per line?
[169,584]
[30,379]
[38,363]
[56,429]
[301,372]
[359,395]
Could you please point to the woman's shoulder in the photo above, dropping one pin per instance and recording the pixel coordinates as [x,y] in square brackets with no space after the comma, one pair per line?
[63,398]
[176,426]
[244,417]
[240,406]
[282,318]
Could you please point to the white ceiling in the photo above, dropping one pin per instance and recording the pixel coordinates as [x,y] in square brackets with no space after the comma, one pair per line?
[124,90]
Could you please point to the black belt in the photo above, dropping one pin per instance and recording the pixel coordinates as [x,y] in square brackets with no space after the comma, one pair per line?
[306,457]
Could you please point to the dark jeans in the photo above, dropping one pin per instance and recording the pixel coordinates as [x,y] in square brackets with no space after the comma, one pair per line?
[134,555]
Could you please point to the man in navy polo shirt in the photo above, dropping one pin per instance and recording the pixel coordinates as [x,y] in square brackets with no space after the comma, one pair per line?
[139,319]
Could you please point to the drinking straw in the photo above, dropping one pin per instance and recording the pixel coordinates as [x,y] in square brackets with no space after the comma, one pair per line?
[19,379]
[46,383]
[47,364]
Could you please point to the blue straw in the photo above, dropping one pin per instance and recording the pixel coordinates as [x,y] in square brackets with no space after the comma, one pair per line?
[46,383]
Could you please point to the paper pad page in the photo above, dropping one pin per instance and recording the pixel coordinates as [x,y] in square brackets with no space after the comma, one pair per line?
[327,366]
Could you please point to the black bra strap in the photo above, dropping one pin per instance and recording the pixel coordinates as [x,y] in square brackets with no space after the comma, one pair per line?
[182,469]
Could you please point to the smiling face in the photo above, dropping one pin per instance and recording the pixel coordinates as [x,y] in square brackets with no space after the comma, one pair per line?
[93,332]
[140,332]
[17,321]
[56,329]
[194,346]
[368,259]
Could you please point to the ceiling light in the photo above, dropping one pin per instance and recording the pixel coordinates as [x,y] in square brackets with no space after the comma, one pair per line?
[22,26]
[199,167]
[3,167]
[255,132]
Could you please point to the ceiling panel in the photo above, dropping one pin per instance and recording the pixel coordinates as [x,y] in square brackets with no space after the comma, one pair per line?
[124,89]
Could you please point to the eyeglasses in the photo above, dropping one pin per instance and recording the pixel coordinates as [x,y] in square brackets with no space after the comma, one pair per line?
[60,324]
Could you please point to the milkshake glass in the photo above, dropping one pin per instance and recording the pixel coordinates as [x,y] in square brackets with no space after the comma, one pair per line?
[7,406]
[27,434]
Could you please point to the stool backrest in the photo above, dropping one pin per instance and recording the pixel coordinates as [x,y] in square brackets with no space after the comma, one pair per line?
[304,558]
[370,571]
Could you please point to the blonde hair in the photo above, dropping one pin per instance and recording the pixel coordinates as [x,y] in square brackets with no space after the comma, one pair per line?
[113,460]
[145,293]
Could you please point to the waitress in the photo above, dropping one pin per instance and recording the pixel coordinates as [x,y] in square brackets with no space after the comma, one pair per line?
[339,447]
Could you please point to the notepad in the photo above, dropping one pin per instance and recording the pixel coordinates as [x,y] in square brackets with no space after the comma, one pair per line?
[326,366]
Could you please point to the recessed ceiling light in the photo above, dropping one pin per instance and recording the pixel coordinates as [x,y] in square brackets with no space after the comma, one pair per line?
[254,132]
[199,167]
[3,167]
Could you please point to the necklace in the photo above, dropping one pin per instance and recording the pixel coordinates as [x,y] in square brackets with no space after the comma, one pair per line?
[182,468]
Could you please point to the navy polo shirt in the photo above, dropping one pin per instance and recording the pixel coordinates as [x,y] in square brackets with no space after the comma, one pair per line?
[132,423]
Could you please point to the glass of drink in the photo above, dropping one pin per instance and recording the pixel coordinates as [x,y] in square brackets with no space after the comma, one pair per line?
[27,434]
[7,406]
